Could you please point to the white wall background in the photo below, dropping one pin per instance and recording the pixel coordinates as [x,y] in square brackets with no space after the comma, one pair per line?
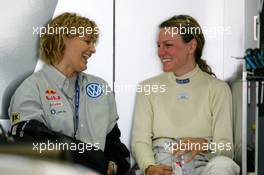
[234,44]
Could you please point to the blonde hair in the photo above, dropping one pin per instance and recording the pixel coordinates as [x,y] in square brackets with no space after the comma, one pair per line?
[52,44]
[190,23]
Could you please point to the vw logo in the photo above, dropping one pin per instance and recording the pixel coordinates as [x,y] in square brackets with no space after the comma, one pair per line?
[94,90]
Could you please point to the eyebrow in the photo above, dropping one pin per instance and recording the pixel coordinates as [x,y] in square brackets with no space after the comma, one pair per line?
[166,41]
[88,38]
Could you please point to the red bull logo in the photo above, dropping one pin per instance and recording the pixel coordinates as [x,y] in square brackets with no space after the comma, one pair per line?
[50,91]
[51,95]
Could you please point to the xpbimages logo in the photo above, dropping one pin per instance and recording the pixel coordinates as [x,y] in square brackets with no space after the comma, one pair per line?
[59,146]
[145,89]
[211,147]
[50,30]
[209,31]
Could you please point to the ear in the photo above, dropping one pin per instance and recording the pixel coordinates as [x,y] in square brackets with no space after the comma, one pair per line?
[192,46]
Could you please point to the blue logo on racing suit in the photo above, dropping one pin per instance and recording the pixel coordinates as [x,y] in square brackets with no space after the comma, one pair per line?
[94,90]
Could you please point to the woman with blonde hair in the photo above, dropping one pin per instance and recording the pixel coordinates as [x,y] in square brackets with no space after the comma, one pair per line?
[61,101]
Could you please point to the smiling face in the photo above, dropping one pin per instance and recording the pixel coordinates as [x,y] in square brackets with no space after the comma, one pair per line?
[76,54]
[176,55]
[65,50]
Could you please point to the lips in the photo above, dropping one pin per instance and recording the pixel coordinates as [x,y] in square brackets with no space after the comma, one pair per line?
[165,60]
[86,56]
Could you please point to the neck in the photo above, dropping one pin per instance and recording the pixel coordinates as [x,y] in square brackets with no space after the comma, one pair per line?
[67,71]
[188,67]
[184,70]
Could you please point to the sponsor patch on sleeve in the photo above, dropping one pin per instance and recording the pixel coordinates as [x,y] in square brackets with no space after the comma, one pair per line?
[15,117]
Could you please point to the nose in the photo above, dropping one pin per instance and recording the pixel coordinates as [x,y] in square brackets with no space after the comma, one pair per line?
[92,48]
[161,51]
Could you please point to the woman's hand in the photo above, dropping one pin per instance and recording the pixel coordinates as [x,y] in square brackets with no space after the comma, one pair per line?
[193,145]
[158,170]
[110,169]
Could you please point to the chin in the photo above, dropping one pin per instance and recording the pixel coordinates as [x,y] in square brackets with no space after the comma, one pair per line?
[84,67]
[167,69]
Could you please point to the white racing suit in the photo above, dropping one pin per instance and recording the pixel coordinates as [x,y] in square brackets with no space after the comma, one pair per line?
[200,165]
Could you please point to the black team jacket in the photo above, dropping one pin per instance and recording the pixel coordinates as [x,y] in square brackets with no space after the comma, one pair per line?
[33,131]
